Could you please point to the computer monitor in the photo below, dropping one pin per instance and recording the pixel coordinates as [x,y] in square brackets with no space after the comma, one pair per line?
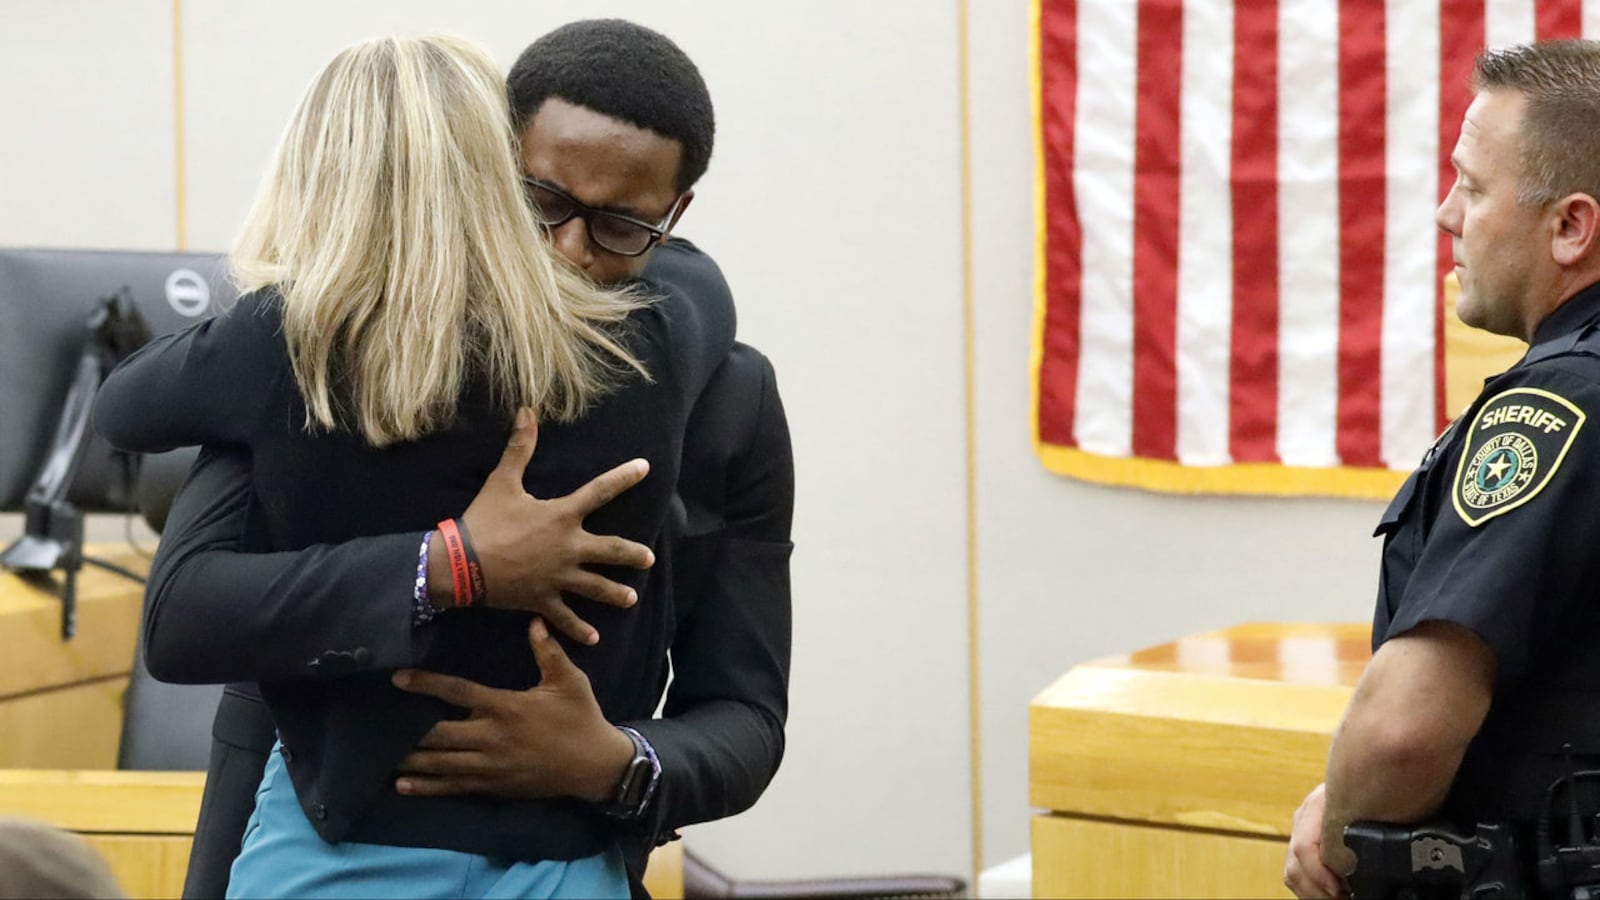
[46,299]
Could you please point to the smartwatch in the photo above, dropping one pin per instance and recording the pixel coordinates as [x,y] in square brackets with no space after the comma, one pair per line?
[633,792]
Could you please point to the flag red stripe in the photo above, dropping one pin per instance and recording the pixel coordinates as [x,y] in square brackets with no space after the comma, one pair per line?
[1058,89]
[1558,19]
[1253,369]
[1461,37]
[1156,180]
[1362,113]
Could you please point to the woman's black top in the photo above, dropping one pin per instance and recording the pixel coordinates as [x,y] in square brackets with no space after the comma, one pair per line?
[343,726]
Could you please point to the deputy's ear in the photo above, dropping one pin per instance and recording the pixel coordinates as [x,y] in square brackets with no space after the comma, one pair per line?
[1577,229]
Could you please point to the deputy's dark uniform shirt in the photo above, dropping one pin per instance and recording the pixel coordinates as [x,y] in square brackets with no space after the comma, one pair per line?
[1498,531]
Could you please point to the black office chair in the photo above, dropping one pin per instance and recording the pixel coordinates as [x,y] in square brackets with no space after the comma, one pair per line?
[165,727]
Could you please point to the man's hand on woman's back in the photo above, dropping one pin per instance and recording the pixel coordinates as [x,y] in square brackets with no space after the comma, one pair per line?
[532,550]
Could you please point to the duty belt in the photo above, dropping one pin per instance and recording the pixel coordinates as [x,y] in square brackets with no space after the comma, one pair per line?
[1556,856]
[1428,862]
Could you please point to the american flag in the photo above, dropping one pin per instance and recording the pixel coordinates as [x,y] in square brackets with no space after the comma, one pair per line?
[1240,283]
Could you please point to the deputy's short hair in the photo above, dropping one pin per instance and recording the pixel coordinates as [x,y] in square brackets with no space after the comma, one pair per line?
[1560,133]
[624,71]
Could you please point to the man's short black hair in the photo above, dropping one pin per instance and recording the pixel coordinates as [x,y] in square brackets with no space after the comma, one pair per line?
[624,71]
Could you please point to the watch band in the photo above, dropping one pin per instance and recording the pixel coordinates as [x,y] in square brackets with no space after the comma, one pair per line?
[422,608]
[639,780]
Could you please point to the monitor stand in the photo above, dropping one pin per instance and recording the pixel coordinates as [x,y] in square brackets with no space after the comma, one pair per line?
[53,534]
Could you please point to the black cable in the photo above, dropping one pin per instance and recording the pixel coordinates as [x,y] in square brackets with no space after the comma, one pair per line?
[113,567]
[133,542]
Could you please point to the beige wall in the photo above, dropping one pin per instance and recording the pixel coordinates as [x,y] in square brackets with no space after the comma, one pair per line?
[833,202]
[86,157]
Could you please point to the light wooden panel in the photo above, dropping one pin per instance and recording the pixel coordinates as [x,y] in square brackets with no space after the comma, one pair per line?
[663,877]
[76,727]
[61,700]
[1089,858]
[1205,732]
[1174,771]
[141,822]
[1159,762]
[36,658]
[163,803]
[145,865]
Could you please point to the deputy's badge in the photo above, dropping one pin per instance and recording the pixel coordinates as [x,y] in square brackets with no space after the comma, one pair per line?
[1518,439]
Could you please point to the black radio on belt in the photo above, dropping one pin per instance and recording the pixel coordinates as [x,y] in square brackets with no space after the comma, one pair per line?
[1570,865]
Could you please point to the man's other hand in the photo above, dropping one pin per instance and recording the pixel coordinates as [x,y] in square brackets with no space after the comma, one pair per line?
[532,550]
[548,741]
[1303,871]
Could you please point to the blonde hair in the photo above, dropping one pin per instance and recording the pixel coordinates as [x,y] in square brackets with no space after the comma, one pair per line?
[393,221]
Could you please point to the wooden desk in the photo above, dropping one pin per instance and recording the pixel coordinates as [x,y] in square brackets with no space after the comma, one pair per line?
[1174,771]
[141,822]
[61,701]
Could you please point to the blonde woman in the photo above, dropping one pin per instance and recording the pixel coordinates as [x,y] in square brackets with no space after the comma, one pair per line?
[402,306]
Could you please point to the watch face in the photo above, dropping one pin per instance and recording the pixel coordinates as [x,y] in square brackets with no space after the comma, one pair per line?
[634,782]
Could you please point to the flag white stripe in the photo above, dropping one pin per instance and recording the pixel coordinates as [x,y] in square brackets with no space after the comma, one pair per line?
[1308,216]
[1412,148]
[1507,22]
[1591,19]
[1205,235]
[1105,133]
[1308,231]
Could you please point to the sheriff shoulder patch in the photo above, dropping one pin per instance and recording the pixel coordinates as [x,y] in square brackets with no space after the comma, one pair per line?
[1517,440]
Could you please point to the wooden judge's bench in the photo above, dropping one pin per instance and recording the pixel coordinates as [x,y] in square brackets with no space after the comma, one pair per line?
[1174,771]
[61,725]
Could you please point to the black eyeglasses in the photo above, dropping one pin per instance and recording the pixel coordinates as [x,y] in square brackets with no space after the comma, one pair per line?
[620,234]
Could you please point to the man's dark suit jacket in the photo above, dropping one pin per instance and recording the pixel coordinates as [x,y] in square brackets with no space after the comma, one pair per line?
[719,594]
[342,724]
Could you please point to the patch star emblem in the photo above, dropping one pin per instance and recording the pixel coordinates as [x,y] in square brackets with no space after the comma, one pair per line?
[1516,442]
[1497,469]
